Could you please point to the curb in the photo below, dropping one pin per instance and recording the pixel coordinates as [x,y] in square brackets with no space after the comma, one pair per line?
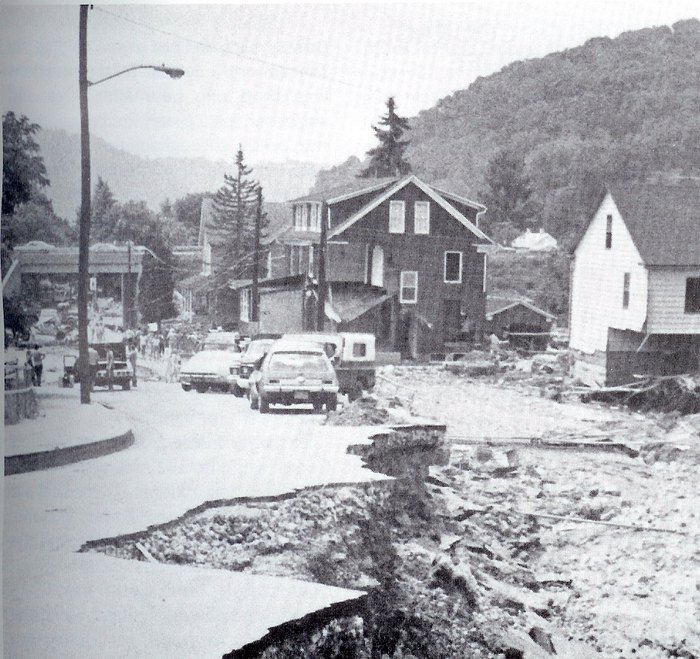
[59,457]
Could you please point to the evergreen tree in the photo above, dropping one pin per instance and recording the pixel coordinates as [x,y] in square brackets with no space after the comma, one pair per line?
[510,193]
[387,159]
[234,222]
[103,211]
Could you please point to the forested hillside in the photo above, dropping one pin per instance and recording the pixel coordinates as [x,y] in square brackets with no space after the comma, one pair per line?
[609,109]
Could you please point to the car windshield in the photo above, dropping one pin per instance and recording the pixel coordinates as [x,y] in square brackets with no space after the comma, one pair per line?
[299,362]
[229,347]
[257,349]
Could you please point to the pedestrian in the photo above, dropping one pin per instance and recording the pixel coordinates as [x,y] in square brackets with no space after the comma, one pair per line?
[161,345]
[110,368]
[93,362]
[38,363]
[132,355]
[29,366]
[142,343]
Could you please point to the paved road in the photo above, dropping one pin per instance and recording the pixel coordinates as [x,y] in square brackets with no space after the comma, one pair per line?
[190,448]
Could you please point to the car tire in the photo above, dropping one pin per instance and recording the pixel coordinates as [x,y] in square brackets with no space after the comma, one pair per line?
[264,405]
[318,406]
[253,402]
[332,404]
[237,391]
[186,387]
[126,386]
[200,389]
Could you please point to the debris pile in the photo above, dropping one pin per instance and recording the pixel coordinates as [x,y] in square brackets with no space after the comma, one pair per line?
[670,393]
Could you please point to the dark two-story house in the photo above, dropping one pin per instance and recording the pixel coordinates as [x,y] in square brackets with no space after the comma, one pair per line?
[404,260]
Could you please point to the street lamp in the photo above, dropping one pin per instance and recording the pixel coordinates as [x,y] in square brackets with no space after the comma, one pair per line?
[84,243]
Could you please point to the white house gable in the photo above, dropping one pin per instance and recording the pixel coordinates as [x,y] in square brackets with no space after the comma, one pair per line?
[608,281]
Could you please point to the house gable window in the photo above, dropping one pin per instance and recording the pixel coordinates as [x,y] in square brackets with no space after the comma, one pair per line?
[397,216]
[608,232]
[245,298]
[453,268]
[315,218]
[626,290]
[421,221]
[692,295]
[409,287]
[304,218]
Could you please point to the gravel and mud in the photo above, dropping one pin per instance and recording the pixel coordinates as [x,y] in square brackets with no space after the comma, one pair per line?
[486,543]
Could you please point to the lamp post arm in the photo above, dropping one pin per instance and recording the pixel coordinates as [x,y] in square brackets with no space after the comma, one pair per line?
[173,73]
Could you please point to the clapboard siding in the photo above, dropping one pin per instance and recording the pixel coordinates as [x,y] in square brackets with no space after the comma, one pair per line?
[597,283]
[667,313]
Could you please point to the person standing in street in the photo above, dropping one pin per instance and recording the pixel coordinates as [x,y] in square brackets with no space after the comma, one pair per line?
[38,363]
[29,367]
[110,368]
[132,357]
[93,361]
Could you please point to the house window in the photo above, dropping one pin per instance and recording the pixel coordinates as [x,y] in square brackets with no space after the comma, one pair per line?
[422,217]
[311,260]
[269,265]
[409,287]
[297,217]
[453,267]
[626,291]
[315,218]
[397,216]
[245,297]
[692,295]
[359,350]
[304,217]
[608,232]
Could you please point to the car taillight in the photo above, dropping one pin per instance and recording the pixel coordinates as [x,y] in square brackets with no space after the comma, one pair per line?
[273,381]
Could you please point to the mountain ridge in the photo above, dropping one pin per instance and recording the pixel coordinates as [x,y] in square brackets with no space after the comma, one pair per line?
[133,177]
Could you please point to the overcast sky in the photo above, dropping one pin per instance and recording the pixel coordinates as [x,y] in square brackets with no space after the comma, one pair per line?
[288,81]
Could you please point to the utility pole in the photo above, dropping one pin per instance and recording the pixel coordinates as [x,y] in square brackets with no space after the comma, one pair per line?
[84,242]
[129,290]
[321,287]
[255,308]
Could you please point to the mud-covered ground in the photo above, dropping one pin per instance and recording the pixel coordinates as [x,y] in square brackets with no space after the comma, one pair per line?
[462,559]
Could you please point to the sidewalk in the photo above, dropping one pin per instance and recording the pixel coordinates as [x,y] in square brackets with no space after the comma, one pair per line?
[64,432]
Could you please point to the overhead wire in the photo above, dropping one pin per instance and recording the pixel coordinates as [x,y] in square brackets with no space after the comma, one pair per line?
[241,53]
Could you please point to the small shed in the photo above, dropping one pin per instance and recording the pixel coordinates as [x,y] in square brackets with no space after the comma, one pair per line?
[526,326]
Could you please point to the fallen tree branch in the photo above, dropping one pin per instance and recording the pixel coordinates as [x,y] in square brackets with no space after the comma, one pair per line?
[583,520]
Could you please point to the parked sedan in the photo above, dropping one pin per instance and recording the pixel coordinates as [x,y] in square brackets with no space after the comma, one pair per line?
[294,372]
[215,366]
[254,352]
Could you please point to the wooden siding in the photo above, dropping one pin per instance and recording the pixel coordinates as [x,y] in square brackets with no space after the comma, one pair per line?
[667,313]
[281,310]
[346,262]
[597,283]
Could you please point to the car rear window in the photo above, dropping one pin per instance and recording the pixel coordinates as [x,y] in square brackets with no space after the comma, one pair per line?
[229,347]
[305,362]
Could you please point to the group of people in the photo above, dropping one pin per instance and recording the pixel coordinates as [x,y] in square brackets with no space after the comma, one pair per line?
[34,364]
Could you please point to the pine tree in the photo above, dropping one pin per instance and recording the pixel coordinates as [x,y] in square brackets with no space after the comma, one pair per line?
[234,221]
[387,159]
[104,219]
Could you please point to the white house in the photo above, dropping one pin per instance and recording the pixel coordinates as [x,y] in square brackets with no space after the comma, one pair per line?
[635,284]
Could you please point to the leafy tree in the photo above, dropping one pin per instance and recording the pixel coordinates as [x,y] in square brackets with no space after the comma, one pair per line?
[509,193]
[187,211]
[23,170]
[235,205]
[36,220]
[387,158]
[103,211]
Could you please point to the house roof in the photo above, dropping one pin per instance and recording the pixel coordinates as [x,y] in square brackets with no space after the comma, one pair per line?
[348,190]
[496,305]
[428,190]
[351,303]
[664,220]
